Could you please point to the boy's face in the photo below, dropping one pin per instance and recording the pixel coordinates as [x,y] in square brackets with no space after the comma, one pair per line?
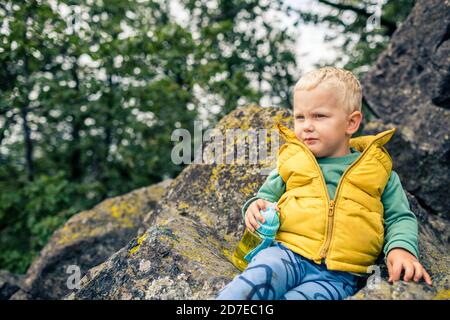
[322,123]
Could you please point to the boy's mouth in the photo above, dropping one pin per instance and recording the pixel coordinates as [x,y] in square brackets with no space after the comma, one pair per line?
[311,141]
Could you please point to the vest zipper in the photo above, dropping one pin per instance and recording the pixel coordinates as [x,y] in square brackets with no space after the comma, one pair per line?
[330,225]
[332,202]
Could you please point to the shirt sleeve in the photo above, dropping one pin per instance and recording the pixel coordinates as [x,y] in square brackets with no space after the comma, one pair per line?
[401,228]
[272,190]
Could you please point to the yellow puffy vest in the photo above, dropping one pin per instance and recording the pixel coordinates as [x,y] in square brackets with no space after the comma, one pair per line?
[347,231]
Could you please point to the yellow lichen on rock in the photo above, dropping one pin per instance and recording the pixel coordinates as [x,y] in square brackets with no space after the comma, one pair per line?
[214,177]
[74,231]
[283,118]
[122,212]
[249,188]
[183,205]
[139,242]
[442,295]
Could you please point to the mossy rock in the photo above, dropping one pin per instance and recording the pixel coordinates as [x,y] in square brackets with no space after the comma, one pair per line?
[178,259]
[87,239]
[9,284]
[409,86]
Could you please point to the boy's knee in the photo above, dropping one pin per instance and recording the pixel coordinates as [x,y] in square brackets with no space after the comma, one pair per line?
[269,256]
[270,262]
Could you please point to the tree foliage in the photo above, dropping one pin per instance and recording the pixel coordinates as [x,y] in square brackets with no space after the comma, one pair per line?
[358,45]
[91,90]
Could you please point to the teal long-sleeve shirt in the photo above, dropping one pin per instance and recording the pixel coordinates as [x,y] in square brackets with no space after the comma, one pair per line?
[401,228]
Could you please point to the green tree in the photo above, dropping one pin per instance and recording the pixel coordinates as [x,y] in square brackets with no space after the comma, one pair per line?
[26,53]
[348,20]
[92,90]
[252,56]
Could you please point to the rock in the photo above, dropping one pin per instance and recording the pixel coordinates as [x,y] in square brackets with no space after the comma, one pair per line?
[410,88]
[86,240]
[21,295]
[9,284]
[179,259]
[185,253]
[398,291]
[195,226]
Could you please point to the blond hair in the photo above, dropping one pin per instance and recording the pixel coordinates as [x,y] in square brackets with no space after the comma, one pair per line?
[341,79]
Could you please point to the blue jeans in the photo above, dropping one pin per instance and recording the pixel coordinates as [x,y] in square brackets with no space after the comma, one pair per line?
[278,273]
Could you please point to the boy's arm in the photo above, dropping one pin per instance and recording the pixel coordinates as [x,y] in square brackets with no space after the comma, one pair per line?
[272,190]
[401,229]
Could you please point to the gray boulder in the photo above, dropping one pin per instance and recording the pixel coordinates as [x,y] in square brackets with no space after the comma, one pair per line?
[86,240]
[410,88]
[185,254]
[9,284]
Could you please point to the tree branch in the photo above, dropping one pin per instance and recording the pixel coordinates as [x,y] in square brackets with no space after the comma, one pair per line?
[391,26]
[234,11]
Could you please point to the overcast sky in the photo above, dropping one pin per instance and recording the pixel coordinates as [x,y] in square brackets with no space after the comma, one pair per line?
[311,46]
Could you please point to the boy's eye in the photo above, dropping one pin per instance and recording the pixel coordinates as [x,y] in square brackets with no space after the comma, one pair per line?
[315,116]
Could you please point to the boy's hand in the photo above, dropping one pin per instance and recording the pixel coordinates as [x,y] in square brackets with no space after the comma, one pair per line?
[399,259]
[252,214]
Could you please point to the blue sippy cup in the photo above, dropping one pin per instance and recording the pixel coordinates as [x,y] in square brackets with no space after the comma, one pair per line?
[266,231]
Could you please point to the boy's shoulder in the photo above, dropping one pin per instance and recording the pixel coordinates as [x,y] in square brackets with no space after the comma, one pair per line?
[394,177]
[394,188]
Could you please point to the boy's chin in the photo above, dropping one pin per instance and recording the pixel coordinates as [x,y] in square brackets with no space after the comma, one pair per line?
[317,152]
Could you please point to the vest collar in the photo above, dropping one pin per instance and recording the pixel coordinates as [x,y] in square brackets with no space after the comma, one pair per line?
[359,143]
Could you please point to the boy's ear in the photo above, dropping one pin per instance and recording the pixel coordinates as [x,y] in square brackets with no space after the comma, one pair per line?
[354,121]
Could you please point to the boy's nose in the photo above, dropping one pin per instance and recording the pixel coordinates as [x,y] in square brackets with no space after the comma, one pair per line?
[308,127]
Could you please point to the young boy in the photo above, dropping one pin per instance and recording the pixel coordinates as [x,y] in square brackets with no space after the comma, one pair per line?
[339,201]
